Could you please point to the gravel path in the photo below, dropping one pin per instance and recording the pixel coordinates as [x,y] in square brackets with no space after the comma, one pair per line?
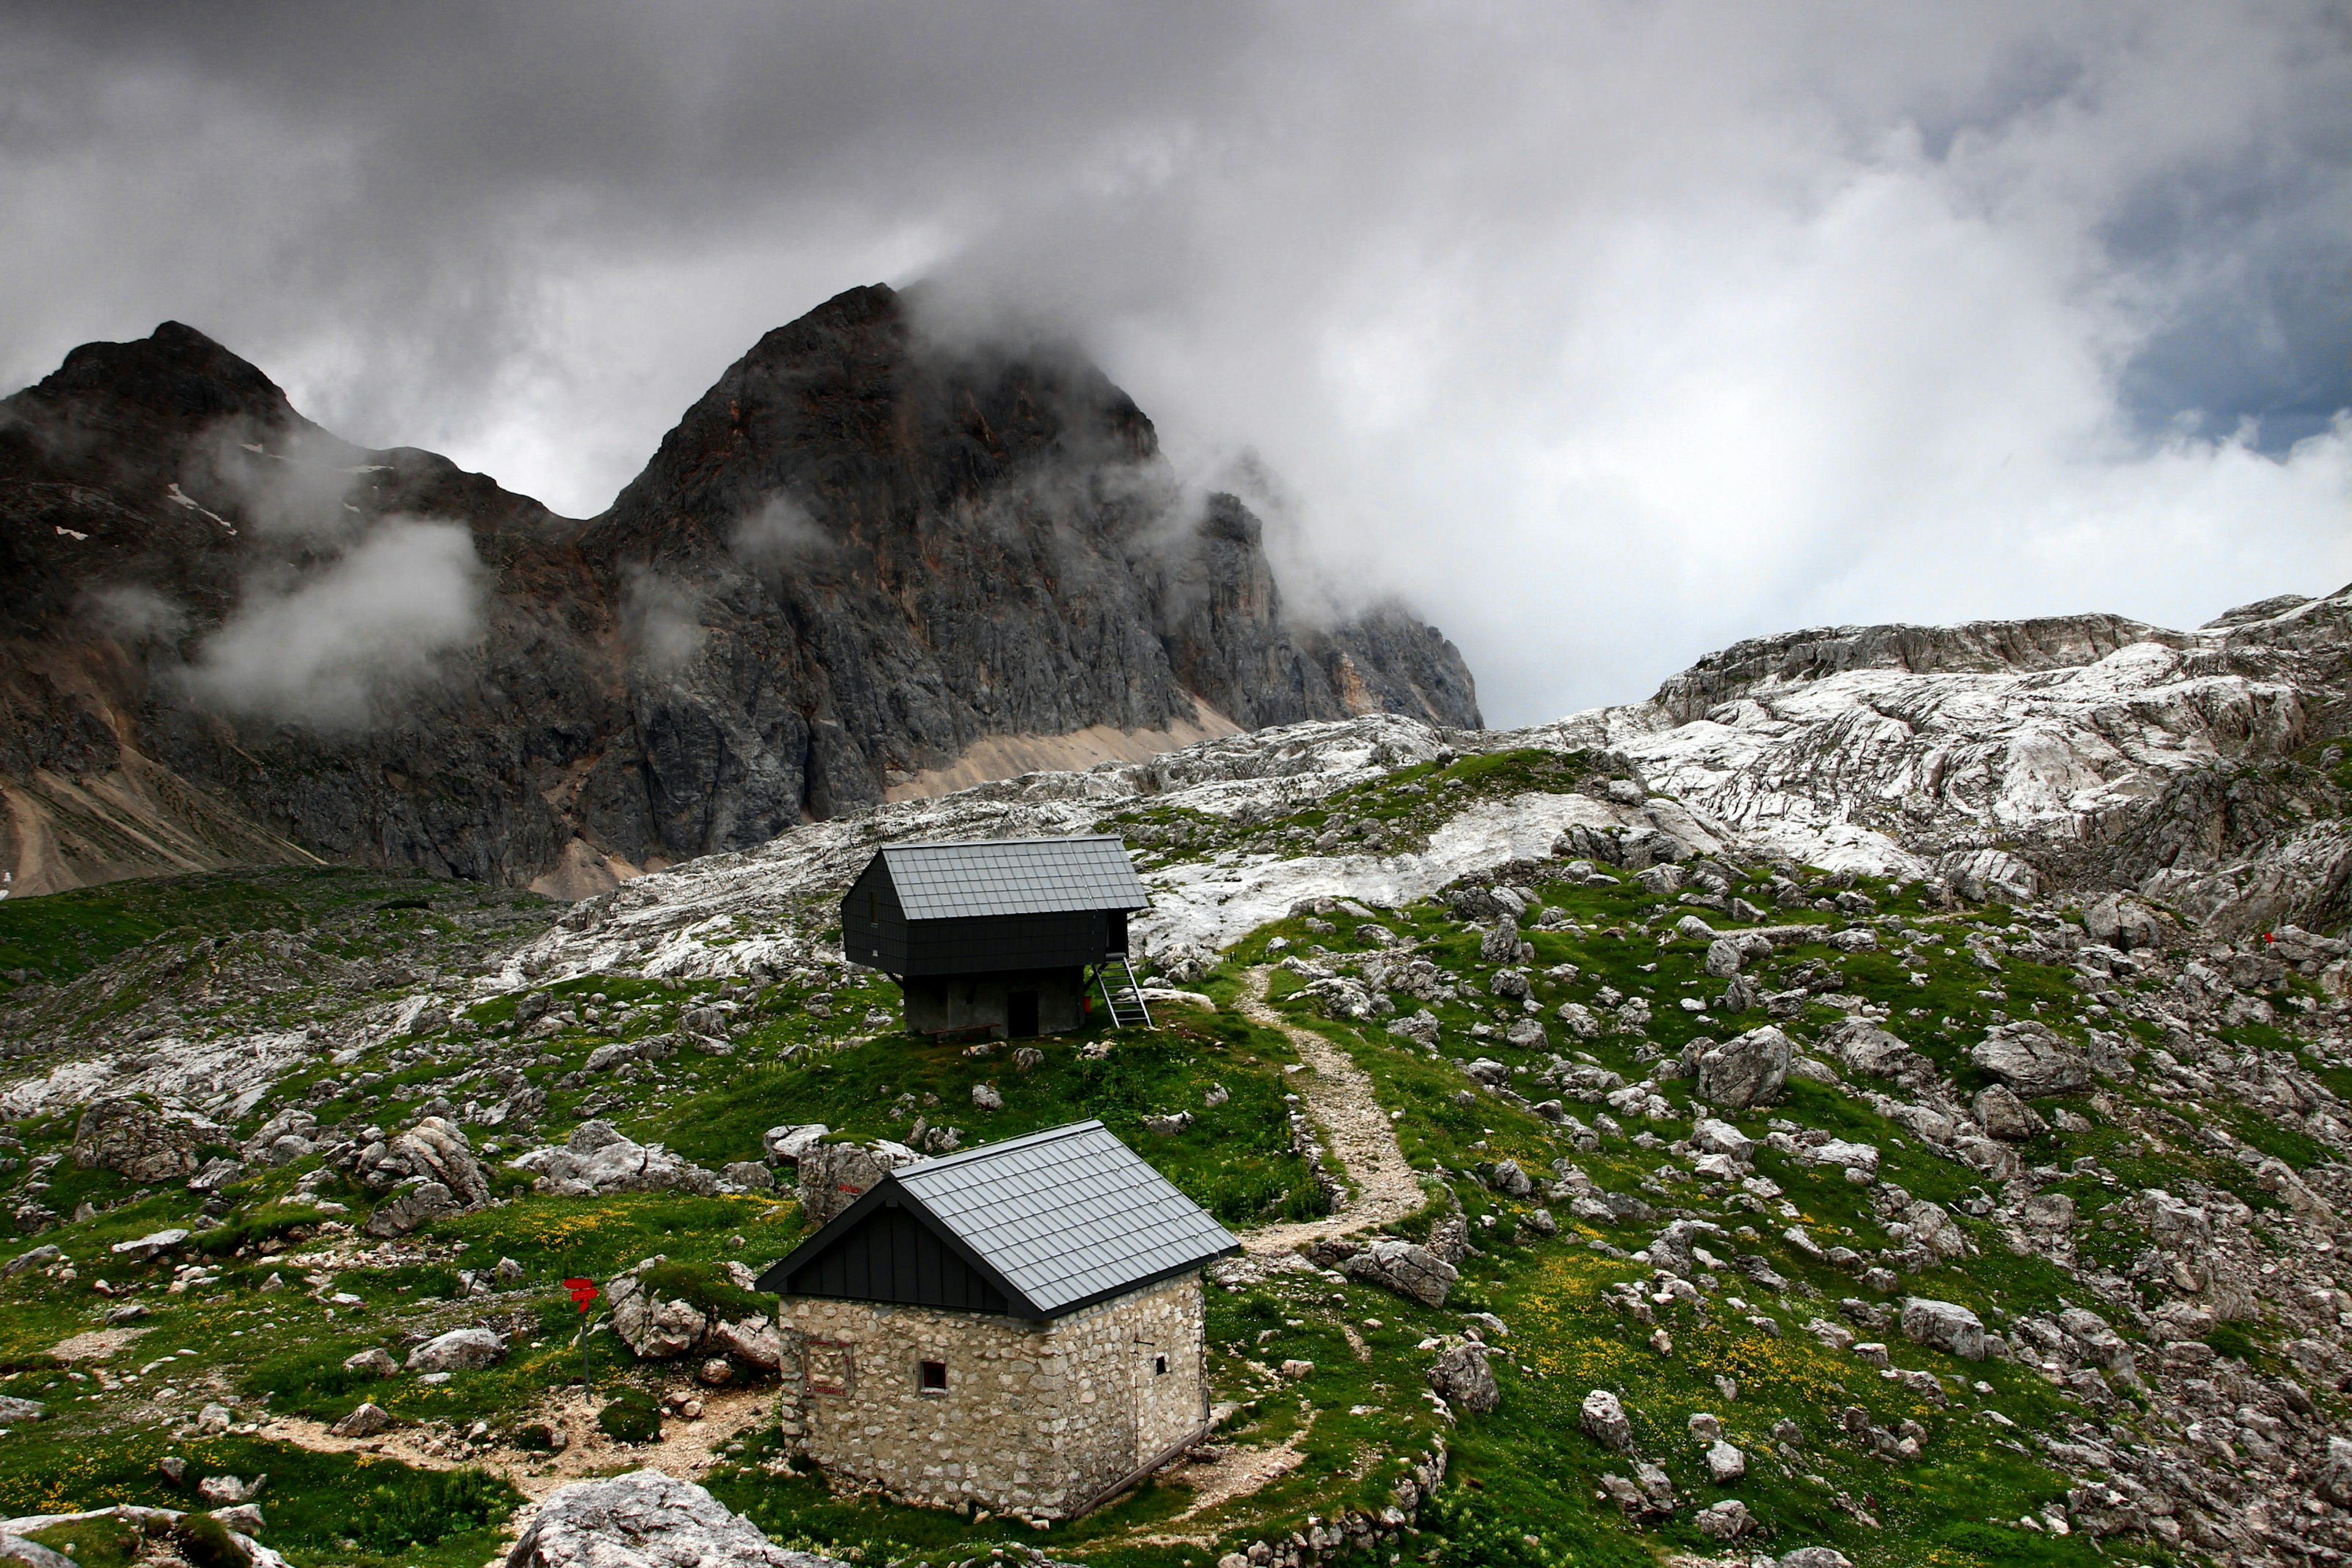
[1340,1100]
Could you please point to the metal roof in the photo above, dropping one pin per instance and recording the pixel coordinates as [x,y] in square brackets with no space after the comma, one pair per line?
[1064,1217]
[1012,876]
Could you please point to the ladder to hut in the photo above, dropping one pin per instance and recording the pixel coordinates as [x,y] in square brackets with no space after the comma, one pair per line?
[1120,993]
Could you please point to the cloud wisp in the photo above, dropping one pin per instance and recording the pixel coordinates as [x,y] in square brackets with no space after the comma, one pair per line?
[340,648]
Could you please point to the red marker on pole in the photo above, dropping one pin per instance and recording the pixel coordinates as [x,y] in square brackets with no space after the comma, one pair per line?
[583,1292]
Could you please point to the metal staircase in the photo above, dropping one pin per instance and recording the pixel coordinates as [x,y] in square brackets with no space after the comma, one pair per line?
[1120,993]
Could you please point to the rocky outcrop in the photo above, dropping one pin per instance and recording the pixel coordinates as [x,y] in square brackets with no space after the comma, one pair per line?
[834,1175]
[858,556]
[598,1158]
[135,1140]
[1405,1268]
[430,1170]
[647,1519]
[656,1327]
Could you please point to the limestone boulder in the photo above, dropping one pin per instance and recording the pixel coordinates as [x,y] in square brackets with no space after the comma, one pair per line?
[1746,1071]
[1864,1048]
[647,1519]
[136,1141]
[2030,1058]
[1603,1417]
[786,1144]
[1462,1377]
[834,1175]
[1409,1271]
[1946,1326]
[1726,1520]
[459,1350]
[598,1158]
[366,1421]
[2004,1116]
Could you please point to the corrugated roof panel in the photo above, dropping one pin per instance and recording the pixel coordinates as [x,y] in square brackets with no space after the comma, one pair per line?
[1067,1216]
[1013,877]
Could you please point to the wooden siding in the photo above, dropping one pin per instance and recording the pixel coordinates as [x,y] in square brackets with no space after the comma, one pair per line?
[891,1256]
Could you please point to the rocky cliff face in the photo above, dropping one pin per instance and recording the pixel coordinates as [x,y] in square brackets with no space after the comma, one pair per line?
[231,637]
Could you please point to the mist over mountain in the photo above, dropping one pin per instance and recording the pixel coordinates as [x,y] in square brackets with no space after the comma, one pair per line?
[866,562]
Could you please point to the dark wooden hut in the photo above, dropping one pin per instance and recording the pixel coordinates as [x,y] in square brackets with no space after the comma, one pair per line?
[1008,936]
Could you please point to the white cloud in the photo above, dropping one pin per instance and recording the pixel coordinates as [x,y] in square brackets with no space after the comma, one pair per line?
[338,649]
[1608,334]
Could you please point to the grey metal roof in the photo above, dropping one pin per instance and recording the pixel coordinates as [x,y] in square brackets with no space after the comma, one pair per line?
[1064,1217]
[1012,876]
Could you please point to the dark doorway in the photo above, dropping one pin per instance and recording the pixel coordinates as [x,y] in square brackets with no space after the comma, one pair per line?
[1020,1014]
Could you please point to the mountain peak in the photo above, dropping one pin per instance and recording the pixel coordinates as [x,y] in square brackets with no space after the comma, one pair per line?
[176,374]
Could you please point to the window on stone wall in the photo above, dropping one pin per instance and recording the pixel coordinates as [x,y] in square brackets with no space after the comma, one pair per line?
[933,1378]
[1159,1366]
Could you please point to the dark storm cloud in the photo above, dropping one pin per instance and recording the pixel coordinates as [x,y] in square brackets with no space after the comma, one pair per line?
[1608,332]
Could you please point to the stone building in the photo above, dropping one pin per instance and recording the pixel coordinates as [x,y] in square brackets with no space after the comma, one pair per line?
[1017,1327]
[1008,936]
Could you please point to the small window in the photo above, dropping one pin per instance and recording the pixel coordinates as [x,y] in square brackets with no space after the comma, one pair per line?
[1159,1366]
[934,1377]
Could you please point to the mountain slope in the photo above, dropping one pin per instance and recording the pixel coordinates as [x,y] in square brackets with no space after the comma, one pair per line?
[861,557]
[1948,1203]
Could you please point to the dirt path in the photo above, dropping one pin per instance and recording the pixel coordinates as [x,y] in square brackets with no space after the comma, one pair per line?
[687,1448]
[1340,1100]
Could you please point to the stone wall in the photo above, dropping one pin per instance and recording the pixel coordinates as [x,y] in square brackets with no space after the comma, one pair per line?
[1040,1420]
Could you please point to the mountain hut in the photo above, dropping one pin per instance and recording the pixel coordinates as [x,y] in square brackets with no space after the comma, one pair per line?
[1017,1327]
[1006,936]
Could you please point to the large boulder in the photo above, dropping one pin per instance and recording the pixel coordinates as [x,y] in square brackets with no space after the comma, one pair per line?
[459,1350]
[1462,1377]
[434,1169]
[2033,1059]
[1945,1326]
[598,1158]
[834,1175]
[134,1140]
[1409,1271]
[1746,1071]
[1603,1415]
[1863,1048]
[2004,1116]
[787,1143]
[647,1519]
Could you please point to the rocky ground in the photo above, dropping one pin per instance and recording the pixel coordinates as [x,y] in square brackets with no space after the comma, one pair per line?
[1882,1098]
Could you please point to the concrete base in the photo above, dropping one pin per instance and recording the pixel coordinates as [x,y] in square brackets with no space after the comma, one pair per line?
[1009,1006]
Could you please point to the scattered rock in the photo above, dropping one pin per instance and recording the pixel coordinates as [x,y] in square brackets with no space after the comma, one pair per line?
[459,1350]
[1725,1520]
[372,1359]
[153,1245]
[1746,1071]
[366,1421]
[2033,1059]
[786,1144]
[2004,1116]
[1462,1377]
[1945,1326]
[1604,1417]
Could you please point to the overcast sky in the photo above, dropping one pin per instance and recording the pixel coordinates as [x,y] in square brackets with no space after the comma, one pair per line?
[1607,333]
